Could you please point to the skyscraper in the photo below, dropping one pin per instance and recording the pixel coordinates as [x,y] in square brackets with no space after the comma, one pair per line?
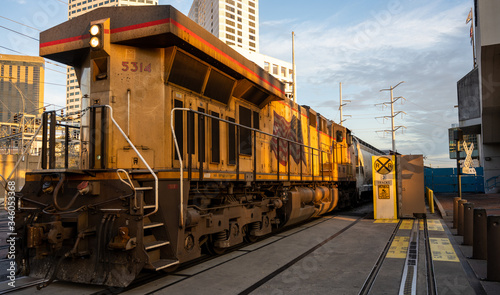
[76,8]
[236,22]
[21,85]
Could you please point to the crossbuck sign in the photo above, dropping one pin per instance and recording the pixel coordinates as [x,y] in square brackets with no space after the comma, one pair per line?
[467,166]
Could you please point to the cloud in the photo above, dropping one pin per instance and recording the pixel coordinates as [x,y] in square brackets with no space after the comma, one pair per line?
[426,45]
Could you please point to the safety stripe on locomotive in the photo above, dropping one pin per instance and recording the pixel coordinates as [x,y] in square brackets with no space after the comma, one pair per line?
[162,22]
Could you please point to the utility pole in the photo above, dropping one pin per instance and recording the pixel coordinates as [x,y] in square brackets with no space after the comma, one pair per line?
[393,128]
[294,75]
[342,105]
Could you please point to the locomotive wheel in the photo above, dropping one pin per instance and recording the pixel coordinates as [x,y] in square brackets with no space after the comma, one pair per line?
[249,237]
[213,250]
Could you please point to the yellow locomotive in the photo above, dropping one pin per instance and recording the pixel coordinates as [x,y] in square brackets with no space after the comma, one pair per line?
[185,145]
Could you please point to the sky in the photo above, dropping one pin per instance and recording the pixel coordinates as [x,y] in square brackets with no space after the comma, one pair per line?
[368,45]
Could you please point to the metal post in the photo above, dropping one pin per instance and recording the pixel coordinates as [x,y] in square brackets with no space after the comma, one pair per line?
[278,157]
[468,223]
[455,211]
[459,180]
[104,128]
[479,242]
[237,152]
[52,141]
[44,139]
[393,131]
[460,227]
[254,155]
[431,200]
[312,165]
[300,159]
[189,143]
[493,259]
[321,166]
[294,74]
[340,90]
[66,146]
[288,156]
[92,128]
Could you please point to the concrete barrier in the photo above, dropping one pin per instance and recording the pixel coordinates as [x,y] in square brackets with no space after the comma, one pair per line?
[479,243]
[460,223]
[468,223]
[493,260]
[455,211]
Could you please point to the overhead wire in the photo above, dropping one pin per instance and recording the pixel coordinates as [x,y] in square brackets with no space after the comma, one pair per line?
[19,23]
[14,31]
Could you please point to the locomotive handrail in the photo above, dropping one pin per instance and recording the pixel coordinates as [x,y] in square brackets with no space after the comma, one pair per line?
[140,156]
[179,155]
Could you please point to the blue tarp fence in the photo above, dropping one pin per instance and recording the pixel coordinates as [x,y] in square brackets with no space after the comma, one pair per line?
[444,180]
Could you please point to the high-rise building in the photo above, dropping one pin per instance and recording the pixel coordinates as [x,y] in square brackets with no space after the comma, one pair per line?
[76,8]
[236,22]
[21,85]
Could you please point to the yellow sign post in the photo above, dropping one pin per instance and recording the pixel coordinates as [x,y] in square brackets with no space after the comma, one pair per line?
[384,187]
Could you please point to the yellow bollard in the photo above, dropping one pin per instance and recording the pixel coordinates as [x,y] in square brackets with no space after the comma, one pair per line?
[430,199]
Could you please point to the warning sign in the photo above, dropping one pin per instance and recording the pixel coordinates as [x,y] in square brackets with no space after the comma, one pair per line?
[384,187]
[383,165]
[383,192]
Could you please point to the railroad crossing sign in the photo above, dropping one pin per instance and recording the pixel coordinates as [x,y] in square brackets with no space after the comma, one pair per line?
[383,165]
[384,187]
[467,166]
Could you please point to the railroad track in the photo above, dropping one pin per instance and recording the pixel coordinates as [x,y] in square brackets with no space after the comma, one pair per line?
[408,284]
[146,277]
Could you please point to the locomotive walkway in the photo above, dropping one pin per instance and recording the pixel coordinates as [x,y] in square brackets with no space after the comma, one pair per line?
[344,253]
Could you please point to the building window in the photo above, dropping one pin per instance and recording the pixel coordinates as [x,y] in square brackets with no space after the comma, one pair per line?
[283,71]
[275,70]
[252,24]
[252,37]
[230,37]
[251,17]
[251,4]
[231,16]
[229,8]
[266,66]
[231,23]
[252,44]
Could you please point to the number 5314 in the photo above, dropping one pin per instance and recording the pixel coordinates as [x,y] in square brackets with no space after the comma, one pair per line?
[134,66]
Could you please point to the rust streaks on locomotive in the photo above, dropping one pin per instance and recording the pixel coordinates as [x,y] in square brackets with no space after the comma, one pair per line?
[185,146]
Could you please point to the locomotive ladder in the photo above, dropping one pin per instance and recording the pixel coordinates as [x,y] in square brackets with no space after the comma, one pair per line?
[155,236]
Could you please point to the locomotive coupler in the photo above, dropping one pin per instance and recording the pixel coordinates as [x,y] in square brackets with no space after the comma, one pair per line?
[123,241]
